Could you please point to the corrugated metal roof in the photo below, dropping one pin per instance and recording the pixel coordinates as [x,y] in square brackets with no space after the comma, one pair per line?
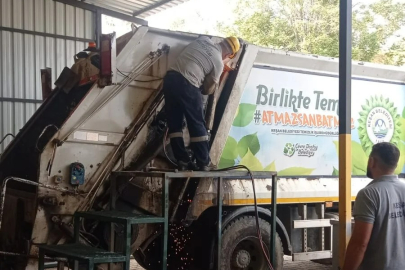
[136,8]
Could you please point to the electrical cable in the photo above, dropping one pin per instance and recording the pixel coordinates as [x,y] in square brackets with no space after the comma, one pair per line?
[145,81]
[42,133]
[259,233]
[5,137]
[164,148]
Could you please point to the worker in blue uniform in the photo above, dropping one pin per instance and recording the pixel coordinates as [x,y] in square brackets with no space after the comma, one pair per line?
[199,66]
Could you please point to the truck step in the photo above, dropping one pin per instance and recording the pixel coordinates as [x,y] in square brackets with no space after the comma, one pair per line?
[82,252]
[120,217]
[313,255]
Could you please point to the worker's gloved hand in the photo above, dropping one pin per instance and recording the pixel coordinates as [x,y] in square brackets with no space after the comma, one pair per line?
[226,60]
[209,86]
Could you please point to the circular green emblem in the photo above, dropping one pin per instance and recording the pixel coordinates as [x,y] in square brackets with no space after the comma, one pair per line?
[378,122]
[289,149]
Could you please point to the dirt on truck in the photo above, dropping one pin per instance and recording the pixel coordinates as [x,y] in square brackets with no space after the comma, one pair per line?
[273,111]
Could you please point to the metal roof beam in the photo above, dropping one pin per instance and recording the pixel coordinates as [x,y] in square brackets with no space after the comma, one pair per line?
[104,11]
[153,6]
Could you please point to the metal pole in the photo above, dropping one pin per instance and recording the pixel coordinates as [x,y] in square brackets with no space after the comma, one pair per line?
[345,72]
[273,219]
[113,199]
[99,28]
[165,214]
[219,227]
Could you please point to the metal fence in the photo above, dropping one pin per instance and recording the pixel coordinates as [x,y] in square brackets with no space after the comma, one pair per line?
[35,34]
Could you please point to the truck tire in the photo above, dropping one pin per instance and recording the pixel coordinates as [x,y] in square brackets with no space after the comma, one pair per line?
[241,247]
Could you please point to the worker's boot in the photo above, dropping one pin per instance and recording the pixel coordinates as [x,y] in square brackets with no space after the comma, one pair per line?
[187,166]
[207,168]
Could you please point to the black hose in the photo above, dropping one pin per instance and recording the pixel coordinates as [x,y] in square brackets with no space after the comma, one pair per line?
[259,233]
[164,148]
[7,135]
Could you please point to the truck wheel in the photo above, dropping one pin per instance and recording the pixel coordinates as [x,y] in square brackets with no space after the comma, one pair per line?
[241,248]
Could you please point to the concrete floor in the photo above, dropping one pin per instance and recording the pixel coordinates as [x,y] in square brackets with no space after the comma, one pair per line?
[288,265]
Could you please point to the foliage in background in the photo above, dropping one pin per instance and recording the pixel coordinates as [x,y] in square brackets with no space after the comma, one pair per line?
[312,27]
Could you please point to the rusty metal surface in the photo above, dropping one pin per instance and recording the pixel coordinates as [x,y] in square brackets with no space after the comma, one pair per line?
[27,182]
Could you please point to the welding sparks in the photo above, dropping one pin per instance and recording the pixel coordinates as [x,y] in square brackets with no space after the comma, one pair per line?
[180,237]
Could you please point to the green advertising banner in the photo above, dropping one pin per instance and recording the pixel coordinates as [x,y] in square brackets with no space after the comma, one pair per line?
[288,122]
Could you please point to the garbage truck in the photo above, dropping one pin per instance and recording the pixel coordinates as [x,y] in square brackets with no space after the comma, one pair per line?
[274,111]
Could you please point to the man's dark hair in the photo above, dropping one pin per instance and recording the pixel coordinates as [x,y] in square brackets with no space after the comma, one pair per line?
[387,153]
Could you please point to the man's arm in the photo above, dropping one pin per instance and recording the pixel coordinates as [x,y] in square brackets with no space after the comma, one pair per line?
[209,86]
[211,81]
[357,245]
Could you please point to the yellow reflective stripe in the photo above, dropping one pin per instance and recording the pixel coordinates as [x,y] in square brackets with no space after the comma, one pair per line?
[279,200]
[199,139]
[176,135]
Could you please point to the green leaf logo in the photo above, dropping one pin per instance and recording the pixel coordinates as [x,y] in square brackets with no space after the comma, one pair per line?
[289,150]
[244,115]
[248,143]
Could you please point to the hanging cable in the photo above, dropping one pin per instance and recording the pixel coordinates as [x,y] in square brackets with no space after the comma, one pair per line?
[5,137]
[42,133]
[164,148]
[144,81]
[259,233]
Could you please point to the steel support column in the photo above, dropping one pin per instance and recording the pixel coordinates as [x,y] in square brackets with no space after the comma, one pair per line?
[99,28]
[273,219]
[345,160]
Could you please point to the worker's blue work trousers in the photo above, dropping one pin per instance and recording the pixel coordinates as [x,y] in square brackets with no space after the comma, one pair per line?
[182,99]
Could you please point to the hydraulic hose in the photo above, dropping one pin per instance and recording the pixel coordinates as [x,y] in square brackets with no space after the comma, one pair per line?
[259,233]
